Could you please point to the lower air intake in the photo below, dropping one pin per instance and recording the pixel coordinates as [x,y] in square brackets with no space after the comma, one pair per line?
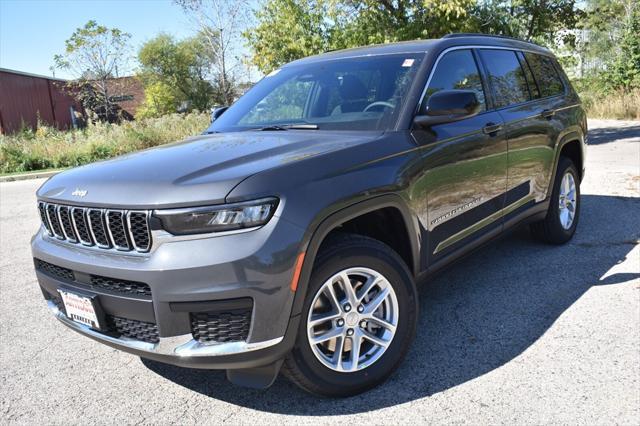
[220,327]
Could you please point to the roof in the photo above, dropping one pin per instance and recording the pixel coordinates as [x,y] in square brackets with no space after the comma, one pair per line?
[422,46]
[27,74]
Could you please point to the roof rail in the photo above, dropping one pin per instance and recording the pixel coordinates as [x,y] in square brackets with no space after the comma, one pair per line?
[456,35]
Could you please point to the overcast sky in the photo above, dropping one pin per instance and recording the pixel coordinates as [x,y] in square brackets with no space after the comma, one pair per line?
[33,31]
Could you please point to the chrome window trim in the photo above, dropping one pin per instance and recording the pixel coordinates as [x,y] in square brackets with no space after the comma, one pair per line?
[479,47]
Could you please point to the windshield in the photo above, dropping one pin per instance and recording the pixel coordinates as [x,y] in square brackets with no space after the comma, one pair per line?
[363,93]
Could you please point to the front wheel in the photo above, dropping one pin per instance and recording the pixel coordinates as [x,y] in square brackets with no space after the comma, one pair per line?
[359,318]
[564,209]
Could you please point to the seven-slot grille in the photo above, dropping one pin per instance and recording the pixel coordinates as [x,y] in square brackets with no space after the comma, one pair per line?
[105,228]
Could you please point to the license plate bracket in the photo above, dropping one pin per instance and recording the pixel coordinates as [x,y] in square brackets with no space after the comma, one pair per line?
[82,308]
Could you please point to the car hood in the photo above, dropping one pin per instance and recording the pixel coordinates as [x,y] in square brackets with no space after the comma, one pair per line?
[200,170]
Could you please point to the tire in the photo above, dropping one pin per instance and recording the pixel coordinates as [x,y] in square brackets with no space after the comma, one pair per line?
[552,229]
[307,365]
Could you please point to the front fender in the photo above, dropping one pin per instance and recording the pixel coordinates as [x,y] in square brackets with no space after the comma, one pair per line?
[321,227]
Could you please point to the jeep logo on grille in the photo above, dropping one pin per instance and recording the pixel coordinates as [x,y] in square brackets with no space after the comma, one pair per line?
[79,192]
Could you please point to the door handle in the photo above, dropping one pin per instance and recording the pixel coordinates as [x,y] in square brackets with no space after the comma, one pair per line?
[547,113]
[491,129]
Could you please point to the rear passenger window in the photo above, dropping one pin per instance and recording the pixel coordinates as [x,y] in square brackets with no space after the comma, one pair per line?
[457,70]
[545,74]
[506,77]
[533,87]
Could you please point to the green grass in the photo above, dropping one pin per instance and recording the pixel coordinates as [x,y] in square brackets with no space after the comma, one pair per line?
[33,172]
[48,148]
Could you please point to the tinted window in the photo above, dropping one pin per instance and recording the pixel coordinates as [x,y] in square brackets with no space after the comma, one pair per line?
[457,70]
[364,93]
[506,76]
[531,82]
[545,74]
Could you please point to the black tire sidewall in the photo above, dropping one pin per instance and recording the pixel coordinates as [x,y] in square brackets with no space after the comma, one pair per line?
[332,382]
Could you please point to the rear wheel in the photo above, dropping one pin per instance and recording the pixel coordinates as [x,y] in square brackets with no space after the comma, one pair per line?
[359,318]
[561,220]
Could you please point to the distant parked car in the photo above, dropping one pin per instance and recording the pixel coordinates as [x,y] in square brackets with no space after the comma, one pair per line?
[291,235]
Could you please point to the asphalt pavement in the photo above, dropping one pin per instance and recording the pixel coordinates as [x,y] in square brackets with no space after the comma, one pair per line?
[517,333]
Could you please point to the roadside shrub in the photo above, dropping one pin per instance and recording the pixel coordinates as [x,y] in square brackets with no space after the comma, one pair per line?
[617,105]
[48,147]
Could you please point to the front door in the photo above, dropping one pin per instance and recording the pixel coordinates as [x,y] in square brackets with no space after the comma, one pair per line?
[461,192]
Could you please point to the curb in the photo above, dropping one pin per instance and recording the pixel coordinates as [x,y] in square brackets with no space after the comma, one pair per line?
[27,176]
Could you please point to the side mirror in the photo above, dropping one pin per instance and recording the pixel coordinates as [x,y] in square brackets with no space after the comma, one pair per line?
[447,106]
[217,112]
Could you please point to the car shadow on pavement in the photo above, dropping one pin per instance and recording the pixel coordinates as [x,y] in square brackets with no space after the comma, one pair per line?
[475,317]
[603,135]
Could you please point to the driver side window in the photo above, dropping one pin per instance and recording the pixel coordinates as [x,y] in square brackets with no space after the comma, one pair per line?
[457,70]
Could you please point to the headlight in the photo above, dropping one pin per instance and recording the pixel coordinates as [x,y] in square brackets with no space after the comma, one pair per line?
[227,217]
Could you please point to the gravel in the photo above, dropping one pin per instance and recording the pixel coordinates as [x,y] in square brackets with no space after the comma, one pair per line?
[519,332]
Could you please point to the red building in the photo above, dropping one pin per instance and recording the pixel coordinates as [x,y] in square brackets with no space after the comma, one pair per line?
[26,97]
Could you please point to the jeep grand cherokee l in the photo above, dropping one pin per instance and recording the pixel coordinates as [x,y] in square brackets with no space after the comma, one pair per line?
[292,233]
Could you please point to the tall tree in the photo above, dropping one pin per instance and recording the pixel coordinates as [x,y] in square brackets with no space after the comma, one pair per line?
[221,23]
[624,70]
[180,67]
[289,29]
[95,54]
[536,20]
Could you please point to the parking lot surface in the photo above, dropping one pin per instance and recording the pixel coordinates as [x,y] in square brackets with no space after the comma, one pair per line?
[518,332]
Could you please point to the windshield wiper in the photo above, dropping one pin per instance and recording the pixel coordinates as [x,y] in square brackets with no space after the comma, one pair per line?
[301,126]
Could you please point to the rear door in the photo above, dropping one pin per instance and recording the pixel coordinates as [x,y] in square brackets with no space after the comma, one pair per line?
[529,123]
[461,191]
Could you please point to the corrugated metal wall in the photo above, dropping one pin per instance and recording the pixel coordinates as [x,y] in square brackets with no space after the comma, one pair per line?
[24,97]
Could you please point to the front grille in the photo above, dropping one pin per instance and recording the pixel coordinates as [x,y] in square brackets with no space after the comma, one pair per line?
[218,327]
[114,285]
[139,227]
[42,209]
[121,286]
[54,222]
[116,227]
[133,329]
[80,224]
[98,228]
[67,224]
[103,228]
[54,270]
[122,327]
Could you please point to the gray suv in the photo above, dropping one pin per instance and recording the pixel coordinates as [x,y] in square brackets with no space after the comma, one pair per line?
[291,234]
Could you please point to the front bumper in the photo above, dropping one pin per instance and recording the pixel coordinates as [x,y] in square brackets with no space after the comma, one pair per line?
[184,351]
[256,265]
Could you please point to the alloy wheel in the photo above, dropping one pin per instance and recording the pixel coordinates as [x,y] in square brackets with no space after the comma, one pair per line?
[567,201]
[353,319]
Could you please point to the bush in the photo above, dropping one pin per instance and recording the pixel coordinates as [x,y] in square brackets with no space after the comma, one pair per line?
[617,105]
[601,102]
[50,148]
